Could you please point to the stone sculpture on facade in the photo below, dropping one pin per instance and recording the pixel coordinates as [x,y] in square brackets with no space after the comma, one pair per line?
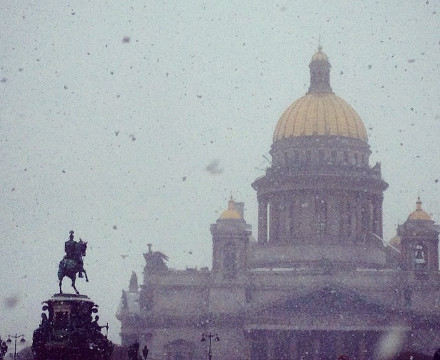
[155,260]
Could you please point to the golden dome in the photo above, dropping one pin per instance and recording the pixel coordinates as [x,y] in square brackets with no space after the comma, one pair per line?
[419,214]
[320,114]
[395,242]
[230,212]
[319,55]
[320,111]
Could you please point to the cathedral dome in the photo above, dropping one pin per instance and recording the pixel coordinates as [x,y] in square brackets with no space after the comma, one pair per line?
[419,214]
[320,111]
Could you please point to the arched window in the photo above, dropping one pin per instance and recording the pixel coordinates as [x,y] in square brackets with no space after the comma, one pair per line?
[308,158]
[420,260]
[296,155]
[292,219]
[349,227]
[341,216]
[365,219]
[321,155]
[346,157]
[375,217]
[334,156]
[230,260]
[321,216]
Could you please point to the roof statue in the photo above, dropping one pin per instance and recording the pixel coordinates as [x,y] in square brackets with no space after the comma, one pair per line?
[155,260]
[72,263]
[134,286]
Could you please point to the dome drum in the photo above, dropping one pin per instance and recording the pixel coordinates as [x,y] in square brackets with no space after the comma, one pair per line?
[313,257]
[312,151]
[329,181]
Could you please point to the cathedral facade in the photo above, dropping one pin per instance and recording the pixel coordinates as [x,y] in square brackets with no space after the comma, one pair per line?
[319,282]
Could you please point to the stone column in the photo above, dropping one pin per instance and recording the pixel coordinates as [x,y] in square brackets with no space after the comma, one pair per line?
[274,221]
[247,346]
[270,347]
[293,347]
[380,217]
[316,347]
[262,220]
[362,355]
[339,344]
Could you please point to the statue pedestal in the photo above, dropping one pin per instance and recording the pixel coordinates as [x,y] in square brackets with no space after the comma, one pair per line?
[68,330]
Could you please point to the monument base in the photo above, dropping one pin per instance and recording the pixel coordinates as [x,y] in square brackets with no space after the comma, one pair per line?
[69,332]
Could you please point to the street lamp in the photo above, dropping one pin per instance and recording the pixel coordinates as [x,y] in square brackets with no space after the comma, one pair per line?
[15,337]
[210,337]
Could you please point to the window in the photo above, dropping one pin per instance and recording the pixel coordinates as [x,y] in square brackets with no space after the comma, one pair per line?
[365,219]
[292,219]
[230,260]
[321,216]
[308,157]
[375,218]
[419,257]
[321,155]
[349,219]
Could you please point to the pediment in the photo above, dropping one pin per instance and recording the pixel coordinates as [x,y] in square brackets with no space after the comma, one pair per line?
[326,306]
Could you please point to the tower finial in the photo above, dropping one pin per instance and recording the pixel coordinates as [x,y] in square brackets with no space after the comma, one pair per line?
[319,41]
[419,203]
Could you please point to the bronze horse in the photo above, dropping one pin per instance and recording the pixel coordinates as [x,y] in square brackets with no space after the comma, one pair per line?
[70,266]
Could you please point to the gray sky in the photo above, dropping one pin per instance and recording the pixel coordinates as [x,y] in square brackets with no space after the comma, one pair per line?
[110,114]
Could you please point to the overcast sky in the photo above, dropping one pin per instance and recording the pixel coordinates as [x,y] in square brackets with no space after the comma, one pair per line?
[111,113]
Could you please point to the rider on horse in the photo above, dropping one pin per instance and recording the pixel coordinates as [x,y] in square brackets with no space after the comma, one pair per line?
[72,263]
[72,253]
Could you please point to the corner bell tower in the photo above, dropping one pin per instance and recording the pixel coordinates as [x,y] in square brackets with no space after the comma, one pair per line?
[419,242]
[230,240]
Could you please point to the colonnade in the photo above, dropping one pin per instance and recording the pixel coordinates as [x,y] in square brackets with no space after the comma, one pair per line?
[312,345]
[289,218]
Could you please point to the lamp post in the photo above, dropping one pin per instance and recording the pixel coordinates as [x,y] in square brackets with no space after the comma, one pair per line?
[210,337]
[15,337]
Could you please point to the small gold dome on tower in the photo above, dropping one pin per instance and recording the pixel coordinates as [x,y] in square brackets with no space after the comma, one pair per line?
[230,212]
[395,242]
[419,214]
[320,55]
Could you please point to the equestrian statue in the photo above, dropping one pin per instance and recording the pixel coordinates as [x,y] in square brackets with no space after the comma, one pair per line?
[72,263]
